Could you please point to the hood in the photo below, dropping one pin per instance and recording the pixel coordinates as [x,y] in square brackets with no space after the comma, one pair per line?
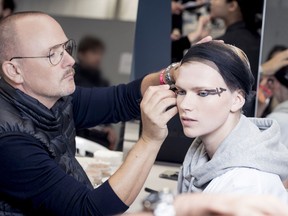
[253,143]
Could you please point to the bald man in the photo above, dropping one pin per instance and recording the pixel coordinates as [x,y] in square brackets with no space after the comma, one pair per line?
[40,110]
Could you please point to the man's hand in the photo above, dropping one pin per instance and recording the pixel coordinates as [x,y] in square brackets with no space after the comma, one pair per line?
[128,180]
[275,63]
[155,113]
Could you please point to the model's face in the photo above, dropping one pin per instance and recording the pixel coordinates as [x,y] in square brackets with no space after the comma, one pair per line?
[203,99]
[41,79]
[219,8]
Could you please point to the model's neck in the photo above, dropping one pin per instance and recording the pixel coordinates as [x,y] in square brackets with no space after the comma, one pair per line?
[214,139]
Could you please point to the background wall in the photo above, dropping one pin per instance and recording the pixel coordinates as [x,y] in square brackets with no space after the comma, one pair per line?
[101,9]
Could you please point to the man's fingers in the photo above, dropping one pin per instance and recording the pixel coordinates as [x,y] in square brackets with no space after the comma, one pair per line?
[169,114]
[165,104]
[151,91]
[205,40]
[155,97]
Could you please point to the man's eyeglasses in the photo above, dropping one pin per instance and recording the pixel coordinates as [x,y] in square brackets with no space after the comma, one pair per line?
[56,53]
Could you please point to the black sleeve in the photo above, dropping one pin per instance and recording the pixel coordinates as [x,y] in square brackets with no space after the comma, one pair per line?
[33,182]
[93,106]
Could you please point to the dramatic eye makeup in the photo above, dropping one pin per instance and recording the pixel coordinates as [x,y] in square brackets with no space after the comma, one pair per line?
[206,92]
[201,93]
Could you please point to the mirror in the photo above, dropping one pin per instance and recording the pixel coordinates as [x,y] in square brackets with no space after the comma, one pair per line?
[273,83]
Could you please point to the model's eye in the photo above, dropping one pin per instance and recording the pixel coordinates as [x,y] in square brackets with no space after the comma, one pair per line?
[180,92]
[203,93]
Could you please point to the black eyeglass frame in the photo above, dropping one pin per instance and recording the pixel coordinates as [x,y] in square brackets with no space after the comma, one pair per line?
[49,55]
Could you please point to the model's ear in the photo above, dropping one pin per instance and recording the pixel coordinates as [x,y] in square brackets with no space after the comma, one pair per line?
[12,72]
[238,101]
[233,6]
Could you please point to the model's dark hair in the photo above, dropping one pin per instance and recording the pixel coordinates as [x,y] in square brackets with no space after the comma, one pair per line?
[232,64]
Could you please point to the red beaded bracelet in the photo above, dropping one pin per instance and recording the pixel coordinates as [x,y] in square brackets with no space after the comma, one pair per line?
[162,82]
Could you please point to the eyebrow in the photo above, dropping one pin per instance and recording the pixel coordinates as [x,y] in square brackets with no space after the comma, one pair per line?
[197,88]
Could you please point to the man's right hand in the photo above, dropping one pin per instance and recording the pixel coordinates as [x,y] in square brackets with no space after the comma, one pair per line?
[155,113]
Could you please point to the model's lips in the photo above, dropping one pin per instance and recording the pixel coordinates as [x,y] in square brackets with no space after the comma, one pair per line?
[185,118]
[186,121]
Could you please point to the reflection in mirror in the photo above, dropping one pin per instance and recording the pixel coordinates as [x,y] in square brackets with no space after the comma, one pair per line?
[236,22]
[272,101]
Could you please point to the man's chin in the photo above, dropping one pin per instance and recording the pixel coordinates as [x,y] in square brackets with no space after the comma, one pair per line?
[68,91]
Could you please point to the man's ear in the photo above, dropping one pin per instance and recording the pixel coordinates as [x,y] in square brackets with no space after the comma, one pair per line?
[12,72]
[238,101]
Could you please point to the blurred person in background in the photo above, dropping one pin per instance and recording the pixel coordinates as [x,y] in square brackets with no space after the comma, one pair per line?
[181,42]
[90,54]
[88,73]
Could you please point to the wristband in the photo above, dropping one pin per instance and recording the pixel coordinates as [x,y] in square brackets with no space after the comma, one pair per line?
[168,80]
[162,82]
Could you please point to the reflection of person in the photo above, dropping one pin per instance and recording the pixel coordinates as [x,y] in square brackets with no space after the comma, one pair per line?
[232,153]
[277,58]
[88,73]
[40,110]
[226,205]
[183,43]
[241,29]
[275,80]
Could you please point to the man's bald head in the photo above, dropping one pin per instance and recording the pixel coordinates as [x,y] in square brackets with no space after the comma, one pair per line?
[13,33]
